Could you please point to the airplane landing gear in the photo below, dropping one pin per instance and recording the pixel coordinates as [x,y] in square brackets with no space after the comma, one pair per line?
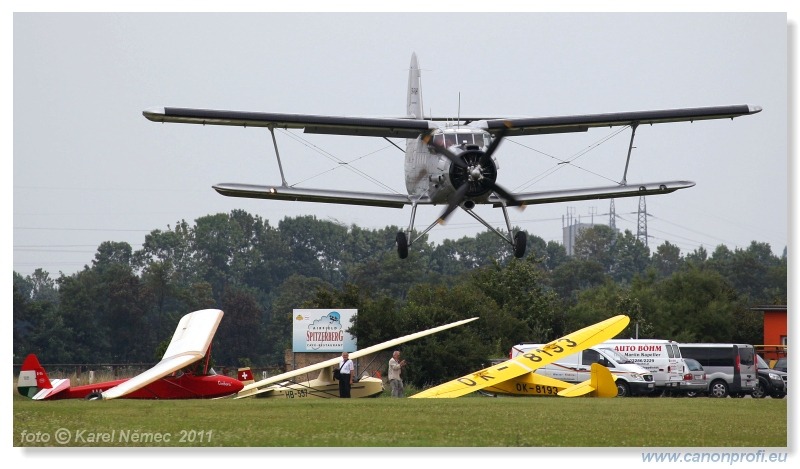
[402,245]
[520,243]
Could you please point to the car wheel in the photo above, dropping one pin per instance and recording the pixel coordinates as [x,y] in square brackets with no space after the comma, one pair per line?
[718,388]
[623,390]
[760,391]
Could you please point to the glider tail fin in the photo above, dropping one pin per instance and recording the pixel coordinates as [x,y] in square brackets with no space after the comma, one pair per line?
[603,381]
[32,377]
[600,384]
[245,375]
[414,100]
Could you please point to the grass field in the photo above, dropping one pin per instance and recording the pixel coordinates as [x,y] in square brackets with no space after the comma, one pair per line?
[472,421]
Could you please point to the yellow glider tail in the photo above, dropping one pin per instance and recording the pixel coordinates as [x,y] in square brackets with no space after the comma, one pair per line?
[530,361]
[600,384]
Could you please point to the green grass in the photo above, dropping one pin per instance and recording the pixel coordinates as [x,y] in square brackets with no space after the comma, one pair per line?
[472,421]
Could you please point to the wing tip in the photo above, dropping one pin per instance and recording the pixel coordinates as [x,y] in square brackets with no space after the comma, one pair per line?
[155,114]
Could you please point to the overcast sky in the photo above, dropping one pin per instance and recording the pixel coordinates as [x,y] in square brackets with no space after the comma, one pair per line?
[88,167]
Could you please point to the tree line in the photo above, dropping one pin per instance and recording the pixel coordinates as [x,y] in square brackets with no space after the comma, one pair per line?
[126,304]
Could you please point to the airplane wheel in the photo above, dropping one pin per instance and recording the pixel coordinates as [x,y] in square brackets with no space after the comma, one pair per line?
[402,245]
[520,243]
[95,396]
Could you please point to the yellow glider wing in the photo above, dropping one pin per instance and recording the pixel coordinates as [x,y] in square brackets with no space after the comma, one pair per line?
[530,361]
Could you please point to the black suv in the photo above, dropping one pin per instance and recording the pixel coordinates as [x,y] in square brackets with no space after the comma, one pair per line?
[770,382]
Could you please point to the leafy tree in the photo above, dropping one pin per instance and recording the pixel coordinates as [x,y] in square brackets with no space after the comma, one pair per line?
[37,326]
[667,259]
[575,275]
[631,257]
[317,245]
[696,306]
[520,290]
[448,354]
[240,334]
[596,244]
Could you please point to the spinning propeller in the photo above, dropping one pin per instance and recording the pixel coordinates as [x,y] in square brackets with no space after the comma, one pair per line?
[473,174]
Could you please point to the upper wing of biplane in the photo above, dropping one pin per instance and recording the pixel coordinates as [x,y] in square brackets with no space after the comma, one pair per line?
[253,388]
[334,125]
[582,123]
[530,361]
[189,344]
[413,128]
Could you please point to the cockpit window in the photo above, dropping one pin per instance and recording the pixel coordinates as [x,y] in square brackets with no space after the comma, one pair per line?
[465,139]
[450,140]
[479,140]
[438,140]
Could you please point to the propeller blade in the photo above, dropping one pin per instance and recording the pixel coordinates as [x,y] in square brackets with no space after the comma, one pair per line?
[505,194]
[455,159]
[454,202]
[495,143]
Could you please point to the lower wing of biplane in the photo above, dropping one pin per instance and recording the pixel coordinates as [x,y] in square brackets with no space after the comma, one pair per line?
[526,364]
[324,386]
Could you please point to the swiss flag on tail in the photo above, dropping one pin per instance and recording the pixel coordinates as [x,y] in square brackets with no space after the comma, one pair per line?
[245,375]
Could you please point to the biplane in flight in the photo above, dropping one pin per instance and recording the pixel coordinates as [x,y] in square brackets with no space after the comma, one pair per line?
[176,376]
[286,385]
[449,160]
[518,376]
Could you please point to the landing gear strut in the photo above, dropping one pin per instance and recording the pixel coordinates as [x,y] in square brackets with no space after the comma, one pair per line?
[518,243]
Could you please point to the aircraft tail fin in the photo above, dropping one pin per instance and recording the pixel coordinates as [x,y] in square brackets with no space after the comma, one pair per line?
[414,100]
[600,384]
[246,376]
[32,377]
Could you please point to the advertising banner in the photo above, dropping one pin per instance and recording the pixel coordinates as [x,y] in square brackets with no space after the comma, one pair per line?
[322,330]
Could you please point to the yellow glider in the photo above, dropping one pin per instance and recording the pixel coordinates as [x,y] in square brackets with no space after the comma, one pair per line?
[530,361]
[600,384]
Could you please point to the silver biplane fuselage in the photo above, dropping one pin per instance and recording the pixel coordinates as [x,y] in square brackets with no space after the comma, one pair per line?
[431,174]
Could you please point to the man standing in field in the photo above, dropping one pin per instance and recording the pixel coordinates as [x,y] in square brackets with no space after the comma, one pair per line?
[346,370]
[395,367]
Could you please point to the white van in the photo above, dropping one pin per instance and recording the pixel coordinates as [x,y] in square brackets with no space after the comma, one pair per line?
[660,357]
[631,379]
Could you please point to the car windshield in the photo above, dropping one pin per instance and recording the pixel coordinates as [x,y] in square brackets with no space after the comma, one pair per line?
[616,356]
[693,365]
[761,362]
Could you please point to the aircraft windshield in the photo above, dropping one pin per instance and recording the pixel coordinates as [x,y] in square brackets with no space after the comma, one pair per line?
[461,138]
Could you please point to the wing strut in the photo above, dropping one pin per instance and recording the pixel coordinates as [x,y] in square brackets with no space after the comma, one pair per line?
[630,148]
[277,155]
